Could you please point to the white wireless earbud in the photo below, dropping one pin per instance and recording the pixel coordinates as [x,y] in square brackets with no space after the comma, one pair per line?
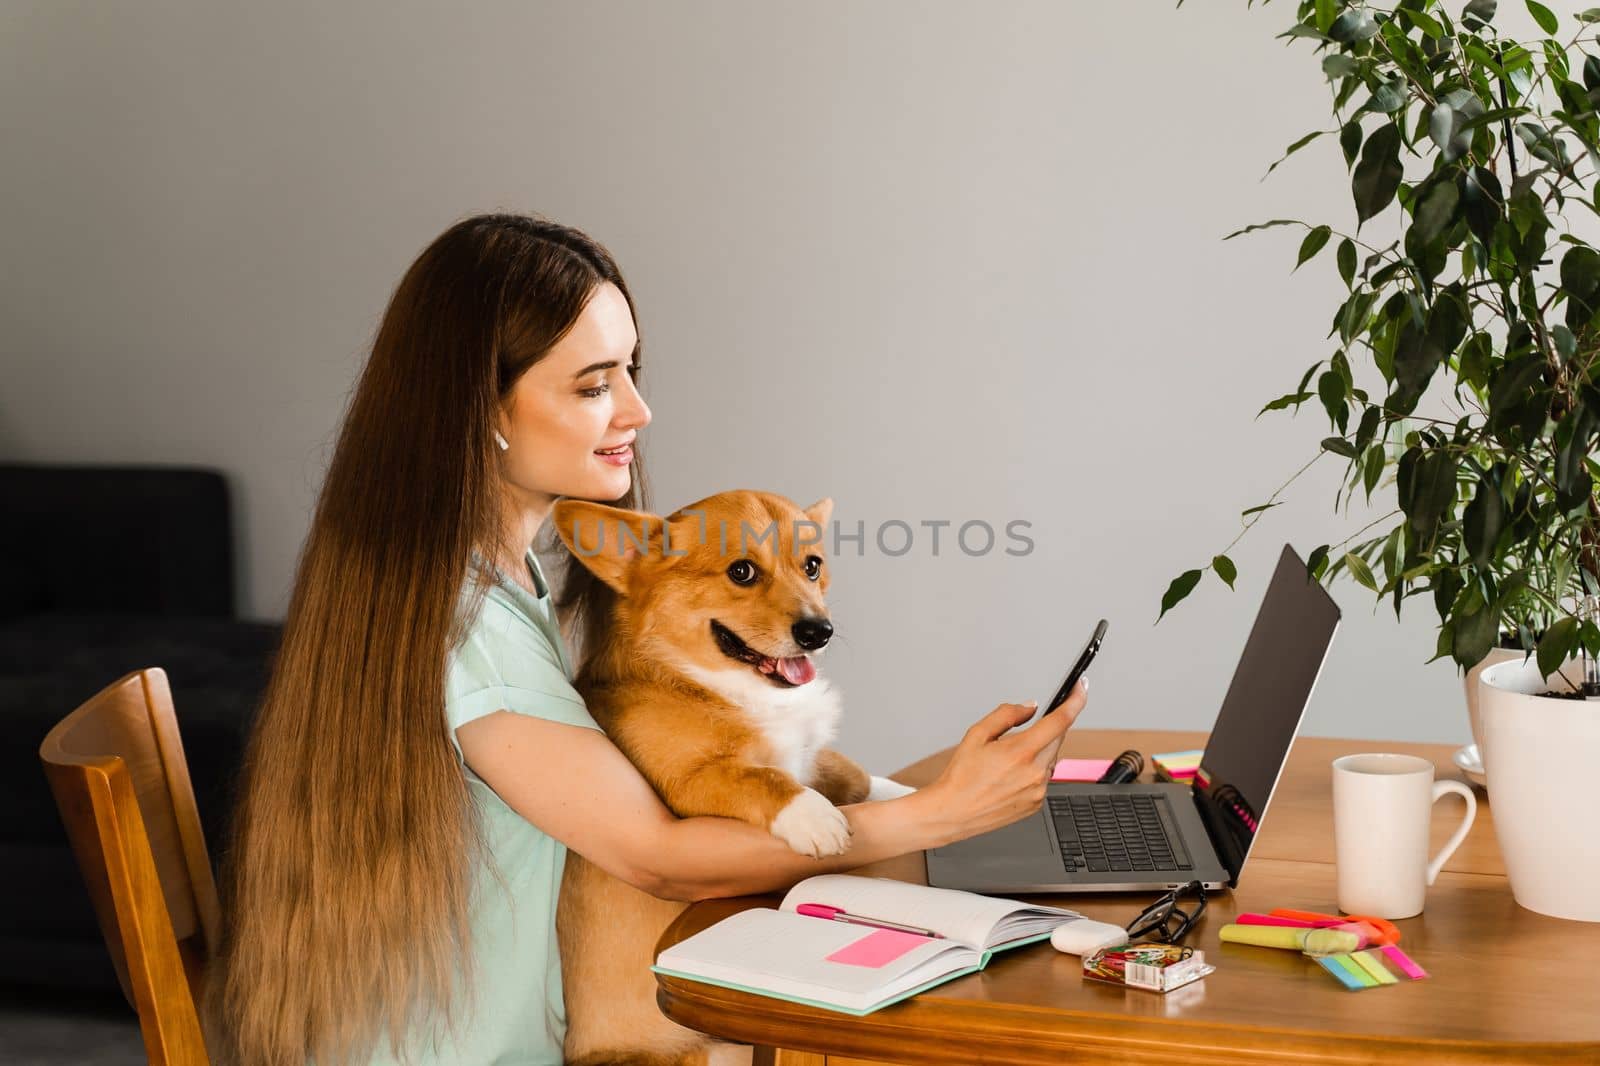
[498,439]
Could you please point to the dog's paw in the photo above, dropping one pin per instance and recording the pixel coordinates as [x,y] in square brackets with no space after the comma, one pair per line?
[885,789]
[812,826]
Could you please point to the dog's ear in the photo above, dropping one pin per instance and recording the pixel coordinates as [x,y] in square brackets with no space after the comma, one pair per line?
[821,511]
[608,541]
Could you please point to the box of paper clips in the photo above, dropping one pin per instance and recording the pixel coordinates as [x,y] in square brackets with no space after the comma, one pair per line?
[1154,967]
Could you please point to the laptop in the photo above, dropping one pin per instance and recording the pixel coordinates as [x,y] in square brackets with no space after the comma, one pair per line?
[1137,837]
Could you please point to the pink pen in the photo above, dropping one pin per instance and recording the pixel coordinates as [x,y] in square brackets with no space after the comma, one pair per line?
[835,914]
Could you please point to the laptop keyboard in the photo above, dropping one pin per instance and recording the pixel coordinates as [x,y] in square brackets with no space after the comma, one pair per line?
[1106,832]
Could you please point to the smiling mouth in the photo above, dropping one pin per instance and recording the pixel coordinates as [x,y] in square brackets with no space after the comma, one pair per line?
[787,672]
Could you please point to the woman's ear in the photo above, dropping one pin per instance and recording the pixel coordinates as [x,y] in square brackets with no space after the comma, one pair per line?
[608,541]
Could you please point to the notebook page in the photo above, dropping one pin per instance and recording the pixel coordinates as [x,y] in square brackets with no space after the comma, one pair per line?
[787,953]
[964,916]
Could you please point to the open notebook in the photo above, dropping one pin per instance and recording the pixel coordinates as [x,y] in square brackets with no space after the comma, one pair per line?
[850,967]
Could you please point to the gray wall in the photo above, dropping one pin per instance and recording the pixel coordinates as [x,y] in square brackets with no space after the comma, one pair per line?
[938,261]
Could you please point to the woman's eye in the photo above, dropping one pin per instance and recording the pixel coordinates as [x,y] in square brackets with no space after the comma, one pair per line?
[742,572]
[813,567]
[598,390]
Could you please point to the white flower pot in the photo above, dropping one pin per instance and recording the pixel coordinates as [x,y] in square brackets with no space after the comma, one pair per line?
[1470,684]
[1536,755]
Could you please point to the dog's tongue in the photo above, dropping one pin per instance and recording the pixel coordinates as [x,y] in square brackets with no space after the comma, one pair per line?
[797,669]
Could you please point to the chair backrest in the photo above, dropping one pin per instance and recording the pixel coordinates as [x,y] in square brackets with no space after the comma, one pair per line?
[117,769]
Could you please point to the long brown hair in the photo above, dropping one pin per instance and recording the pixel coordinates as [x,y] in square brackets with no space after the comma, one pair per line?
[348,887]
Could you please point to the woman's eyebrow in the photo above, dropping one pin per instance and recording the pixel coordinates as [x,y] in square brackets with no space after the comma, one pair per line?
[592,367]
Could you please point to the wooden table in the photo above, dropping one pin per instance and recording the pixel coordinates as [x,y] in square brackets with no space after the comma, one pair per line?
[1507,985]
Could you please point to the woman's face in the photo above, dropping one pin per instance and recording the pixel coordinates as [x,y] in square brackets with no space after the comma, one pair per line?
[575,403]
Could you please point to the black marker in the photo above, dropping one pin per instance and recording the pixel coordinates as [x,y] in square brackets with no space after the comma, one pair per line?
[1123,769]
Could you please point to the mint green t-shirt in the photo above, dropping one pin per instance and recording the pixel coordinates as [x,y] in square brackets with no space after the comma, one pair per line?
[512,659]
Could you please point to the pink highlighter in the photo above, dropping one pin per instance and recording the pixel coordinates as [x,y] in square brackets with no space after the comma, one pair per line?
[837,914]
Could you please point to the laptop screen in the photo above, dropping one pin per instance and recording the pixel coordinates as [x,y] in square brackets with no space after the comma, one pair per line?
[1261,713]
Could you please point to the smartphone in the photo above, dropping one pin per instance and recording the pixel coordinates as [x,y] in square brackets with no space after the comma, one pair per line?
[1089,651]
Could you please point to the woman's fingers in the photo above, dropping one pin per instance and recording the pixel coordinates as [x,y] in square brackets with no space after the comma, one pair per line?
[1050,728]
[997,721]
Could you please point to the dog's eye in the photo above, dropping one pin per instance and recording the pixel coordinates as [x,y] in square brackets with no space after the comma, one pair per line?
[742,571]
[813,567]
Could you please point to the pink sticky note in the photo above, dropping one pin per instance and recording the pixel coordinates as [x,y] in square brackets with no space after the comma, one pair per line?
[1080,769]
[877,948]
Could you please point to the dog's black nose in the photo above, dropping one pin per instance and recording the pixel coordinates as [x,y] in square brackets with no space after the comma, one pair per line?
[812,633]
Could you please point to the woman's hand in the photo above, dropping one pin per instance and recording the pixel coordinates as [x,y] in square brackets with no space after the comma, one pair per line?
[996,777]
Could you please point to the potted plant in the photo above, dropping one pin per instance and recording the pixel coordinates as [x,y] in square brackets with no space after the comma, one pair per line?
[1472,152]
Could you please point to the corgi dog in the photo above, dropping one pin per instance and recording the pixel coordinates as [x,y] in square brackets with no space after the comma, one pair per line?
[706,680]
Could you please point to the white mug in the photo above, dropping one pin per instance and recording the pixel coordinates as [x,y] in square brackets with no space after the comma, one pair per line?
[1382,808]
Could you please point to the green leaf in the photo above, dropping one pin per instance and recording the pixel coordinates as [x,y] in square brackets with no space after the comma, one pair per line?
[1181,586]
[1264,225]
[1353,26]
[1293,398]
[1247,512]
[1224,568]
[1314,242]
[1378,174]
[1331,390]
[1442,124]
[1295,147]
[1591,14]
[1484,519]
[1437,210]
[1317,561]
[1433,491]
[1373,469]
[1446,643]
[1424,23]
[1347,261]
[1389,97]
[1481,201]
[1580,277]
[1326,12]
[1482,10]
[1359,570]
[1339,446]
[1350,142]
[1339,66]
[1542,15]
[1474,635]
[1557,645]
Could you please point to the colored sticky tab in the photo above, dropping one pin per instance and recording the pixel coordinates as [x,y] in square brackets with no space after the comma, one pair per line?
[1350,967]
[1379,972]
[1080,769]
[1403,962]
[1346,978]
[878,948]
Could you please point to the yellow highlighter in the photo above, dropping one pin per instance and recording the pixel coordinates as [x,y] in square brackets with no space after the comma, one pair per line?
[1310,941]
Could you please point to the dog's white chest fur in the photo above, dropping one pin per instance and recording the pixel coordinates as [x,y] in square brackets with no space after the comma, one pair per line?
[797,722]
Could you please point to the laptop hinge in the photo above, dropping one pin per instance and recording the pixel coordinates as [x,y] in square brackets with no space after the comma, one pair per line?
[1222,836]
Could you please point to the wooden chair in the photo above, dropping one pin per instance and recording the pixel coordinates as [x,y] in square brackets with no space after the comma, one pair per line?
[116,767]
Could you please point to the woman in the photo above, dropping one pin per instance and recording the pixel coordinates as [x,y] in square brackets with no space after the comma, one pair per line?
[420,762]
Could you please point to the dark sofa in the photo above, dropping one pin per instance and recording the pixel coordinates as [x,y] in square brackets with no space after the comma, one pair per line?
[105,570]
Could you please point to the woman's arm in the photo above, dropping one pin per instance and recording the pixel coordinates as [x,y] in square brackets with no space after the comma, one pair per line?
[574,784]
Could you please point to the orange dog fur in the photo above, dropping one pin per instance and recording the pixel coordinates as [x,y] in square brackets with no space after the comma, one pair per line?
[705,681]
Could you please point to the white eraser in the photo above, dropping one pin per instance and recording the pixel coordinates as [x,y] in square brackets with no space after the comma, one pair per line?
[1085,937]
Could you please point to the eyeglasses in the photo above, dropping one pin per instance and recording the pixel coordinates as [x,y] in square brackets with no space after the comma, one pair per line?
[1164,921]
